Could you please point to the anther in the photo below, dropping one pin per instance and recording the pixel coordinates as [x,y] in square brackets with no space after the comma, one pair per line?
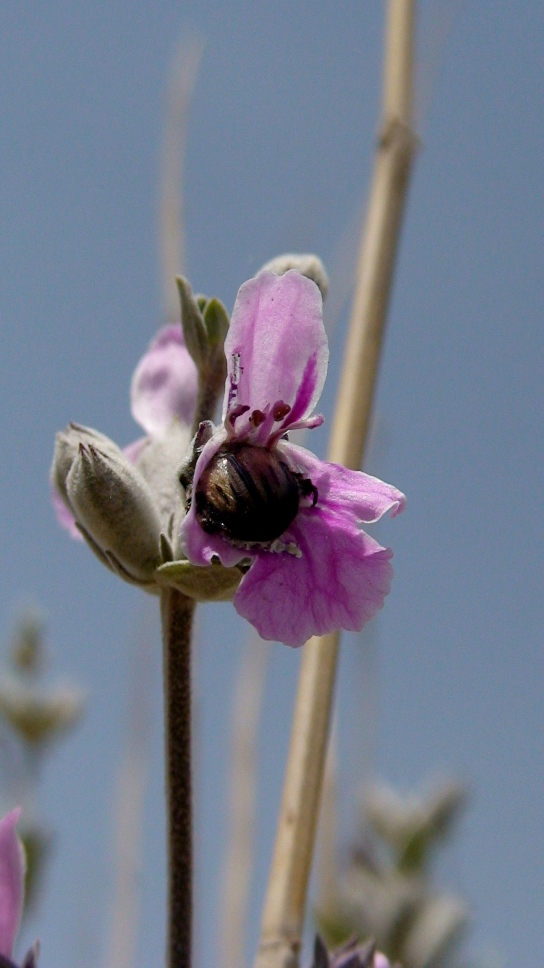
[236,412]
[281,410]
[257,418]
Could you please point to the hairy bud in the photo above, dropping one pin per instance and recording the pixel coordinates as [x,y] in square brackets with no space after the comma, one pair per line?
[115,510]
[307,264]
[66,451]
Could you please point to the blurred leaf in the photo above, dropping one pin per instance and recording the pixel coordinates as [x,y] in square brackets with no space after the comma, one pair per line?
[412,825]
[216,320]
[194,330]
[437,927]
[37,843]
[37,715]
[28,651]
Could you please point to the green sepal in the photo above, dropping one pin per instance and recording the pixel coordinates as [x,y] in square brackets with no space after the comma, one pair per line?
[216,321]
[212,583]
[194,330]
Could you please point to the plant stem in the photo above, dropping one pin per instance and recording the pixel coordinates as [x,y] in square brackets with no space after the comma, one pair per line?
[177,615]
[285,900]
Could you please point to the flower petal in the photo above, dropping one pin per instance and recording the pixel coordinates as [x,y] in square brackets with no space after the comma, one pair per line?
[12,874]
[199,546]
[340,581]
[134,451]
[364,497]
[380,960]
[164,384]
[276,346]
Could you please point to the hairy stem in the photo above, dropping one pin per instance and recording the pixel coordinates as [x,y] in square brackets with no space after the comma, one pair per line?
[177,616]
[285,900]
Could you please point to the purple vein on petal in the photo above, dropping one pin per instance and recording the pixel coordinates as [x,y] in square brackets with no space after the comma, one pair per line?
[305,392]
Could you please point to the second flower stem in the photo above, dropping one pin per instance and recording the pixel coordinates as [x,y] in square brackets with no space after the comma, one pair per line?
[177,618]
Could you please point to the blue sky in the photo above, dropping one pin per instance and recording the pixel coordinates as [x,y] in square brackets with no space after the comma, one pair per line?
[279,157]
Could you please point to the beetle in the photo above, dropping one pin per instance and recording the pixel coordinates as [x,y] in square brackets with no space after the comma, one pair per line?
[249,493]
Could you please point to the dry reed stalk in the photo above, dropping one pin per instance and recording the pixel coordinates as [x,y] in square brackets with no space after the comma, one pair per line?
[172,235]
[327,873]
[128,836]
[285,900]
[236,878]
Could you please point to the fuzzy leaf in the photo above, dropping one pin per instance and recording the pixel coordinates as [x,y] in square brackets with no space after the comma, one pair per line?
[216,321]
[194,330]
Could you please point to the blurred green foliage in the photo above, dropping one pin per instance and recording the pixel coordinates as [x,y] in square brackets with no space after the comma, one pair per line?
[386,890]
[34,714]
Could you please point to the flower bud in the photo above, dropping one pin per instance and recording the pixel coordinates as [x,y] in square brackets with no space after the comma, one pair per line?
[307,264]
[115,509]
[67,449]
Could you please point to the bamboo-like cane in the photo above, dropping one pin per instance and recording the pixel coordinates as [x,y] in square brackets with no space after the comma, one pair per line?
[128,836]
[236,880]
[285,900]
[172,235]
[327,873]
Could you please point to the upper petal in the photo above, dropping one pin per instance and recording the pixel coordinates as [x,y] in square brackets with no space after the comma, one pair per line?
[164,384]
[365,497]
[340,580]
[12,874]
[276,346]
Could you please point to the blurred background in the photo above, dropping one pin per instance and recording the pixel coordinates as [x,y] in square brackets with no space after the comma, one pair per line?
[279,152]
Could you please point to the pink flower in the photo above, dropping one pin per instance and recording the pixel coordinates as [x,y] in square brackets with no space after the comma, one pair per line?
[352,954]
[12,875]
[164,386]
[256,496]
[164,383]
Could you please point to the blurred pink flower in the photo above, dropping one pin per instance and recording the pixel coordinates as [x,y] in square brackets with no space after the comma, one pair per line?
[12,876]
[12,890]
[352,954]
[256,496]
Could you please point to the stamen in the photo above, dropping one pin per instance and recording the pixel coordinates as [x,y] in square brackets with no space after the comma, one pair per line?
[257,418]
[233,414]
[281,410]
